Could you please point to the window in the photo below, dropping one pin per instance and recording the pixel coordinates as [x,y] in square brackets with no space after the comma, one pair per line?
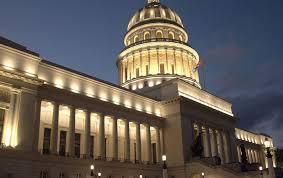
[137,72]
[173,70]
[43,174]
[159,34]
[46,140]
[2,116]
[146,36]
[61,175]
[162,69]
[136,39]
[171,35]
[77,145]
[147,69]
[157,12]
[62,145]
[91,146]
[126,73]
[146,14]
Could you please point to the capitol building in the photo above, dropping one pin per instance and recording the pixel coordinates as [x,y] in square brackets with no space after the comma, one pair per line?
[56,122]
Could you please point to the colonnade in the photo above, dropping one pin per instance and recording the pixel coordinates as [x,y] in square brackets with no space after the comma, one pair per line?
[141,155]
[157,61]
[253,155]
[216,142]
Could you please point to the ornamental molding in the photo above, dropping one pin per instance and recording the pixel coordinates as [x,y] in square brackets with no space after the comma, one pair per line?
[21,77]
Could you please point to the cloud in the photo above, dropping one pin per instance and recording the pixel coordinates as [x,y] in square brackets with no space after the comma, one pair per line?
[269,125]
[230,51]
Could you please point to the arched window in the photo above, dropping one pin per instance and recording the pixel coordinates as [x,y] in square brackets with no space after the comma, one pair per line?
[136,39]
[159,34]
[171,35]
[146,35]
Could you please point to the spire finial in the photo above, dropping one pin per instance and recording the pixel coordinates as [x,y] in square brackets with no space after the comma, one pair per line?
[151,1]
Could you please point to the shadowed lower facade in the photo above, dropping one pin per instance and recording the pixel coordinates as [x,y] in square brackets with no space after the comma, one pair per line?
[56,122]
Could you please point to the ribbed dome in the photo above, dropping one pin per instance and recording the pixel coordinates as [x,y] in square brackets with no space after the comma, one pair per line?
[155,12]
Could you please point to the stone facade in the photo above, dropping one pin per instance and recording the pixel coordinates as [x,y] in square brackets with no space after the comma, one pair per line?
[56,122]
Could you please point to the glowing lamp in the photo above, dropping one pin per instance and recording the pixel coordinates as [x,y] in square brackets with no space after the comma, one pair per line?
[260,168]
[99,174]
[164,158]
[92,167]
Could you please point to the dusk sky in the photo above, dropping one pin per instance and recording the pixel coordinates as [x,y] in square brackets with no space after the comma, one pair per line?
[240,42]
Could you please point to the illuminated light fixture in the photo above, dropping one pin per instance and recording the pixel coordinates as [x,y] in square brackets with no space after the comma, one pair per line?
[150,83]
[8,68]
[92,167]
[140,176]
[164,157]
[29,74]
[99,174]
[134,87]
[140,86]
[260,168]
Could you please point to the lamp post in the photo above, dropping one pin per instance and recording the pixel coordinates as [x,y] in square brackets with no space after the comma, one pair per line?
[165,173]
[260,169]
[91,170]
[202,175]
[269,159]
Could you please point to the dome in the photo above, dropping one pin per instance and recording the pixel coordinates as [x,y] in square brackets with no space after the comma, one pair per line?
[155,12]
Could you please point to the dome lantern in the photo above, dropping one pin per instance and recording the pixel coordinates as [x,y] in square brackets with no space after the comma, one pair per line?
[152,1]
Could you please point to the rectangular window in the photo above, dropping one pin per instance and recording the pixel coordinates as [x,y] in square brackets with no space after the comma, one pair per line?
[62,144]
[162,69]
[173,70]
[2,117]
[147,69]
[46,140]
[91,146]
[137,72]
[126,73]
[77,145]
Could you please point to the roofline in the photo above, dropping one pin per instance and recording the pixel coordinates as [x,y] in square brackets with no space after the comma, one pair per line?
[17,46]
[97,79]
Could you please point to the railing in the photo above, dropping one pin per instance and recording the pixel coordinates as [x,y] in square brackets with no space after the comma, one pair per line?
[155,40]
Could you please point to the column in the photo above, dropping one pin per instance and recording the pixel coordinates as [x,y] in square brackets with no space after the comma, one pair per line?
[54,130]
[183,70]
[127,141]
[222,155]
[214,143]
[149,61]
[148,143]
[158,61]
[200,133]
[9,119]
[115,138]
[207,143]
[158,146]
[86,151]
[102,153]
[167,62]
[175,62]
[227,146]
[141,64]
[36,126]
[138,141]
[233,145]
[71,133]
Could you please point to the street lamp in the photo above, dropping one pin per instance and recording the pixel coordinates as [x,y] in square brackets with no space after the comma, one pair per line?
[165,174]
[260,169]
[140,176]
[99,174]
[202,174]
[91,170]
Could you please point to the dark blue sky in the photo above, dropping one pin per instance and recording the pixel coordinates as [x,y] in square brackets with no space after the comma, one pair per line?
[239,41]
